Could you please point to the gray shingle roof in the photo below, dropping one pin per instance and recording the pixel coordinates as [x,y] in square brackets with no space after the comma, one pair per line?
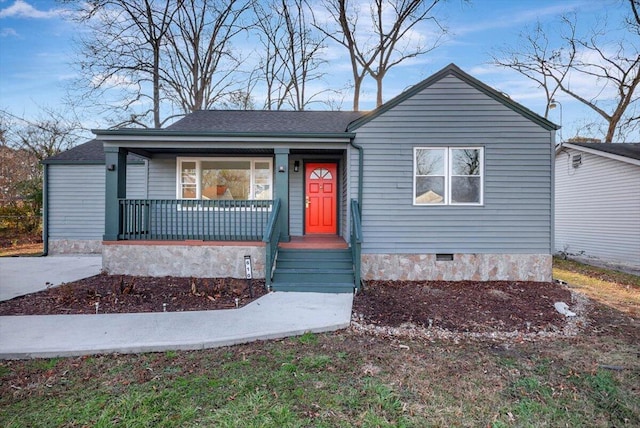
[266,121]
[628,150]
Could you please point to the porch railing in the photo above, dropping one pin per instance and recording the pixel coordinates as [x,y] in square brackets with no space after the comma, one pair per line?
[356,242]
[180,219]
[271,239]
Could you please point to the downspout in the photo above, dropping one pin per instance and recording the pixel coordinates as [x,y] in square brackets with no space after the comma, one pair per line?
[360,172]
[45,210]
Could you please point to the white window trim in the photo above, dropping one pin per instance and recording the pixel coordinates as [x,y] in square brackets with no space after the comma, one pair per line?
[198,161]
[448,176]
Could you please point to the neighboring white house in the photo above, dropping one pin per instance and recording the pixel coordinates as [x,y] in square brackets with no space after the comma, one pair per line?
[597,201]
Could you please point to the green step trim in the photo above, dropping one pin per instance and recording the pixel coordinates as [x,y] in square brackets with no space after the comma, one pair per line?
[344,287]
[311,255]
[317,264]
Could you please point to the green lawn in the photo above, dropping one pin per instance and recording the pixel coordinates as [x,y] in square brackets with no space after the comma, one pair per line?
[341,380]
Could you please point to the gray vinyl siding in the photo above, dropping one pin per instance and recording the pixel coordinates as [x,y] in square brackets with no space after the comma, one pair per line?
[516,215]
[598,208]
[162,178]
[296,198]
[76,199]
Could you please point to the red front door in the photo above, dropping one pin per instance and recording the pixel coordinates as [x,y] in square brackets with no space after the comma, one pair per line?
[320,198]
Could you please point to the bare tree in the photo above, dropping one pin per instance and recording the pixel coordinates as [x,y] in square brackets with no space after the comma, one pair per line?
[124,47]
[387,39]
[612,65]
[291,53]
[202,67]
[24,144]
[51,133]
[531,59]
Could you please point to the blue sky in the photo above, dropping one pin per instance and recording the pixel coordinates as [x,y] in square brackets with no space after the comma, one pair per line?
[36,51]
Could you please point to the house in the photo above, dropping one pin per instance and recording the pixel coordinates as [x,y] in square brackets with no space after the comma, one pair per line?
[451,180]
[598,201]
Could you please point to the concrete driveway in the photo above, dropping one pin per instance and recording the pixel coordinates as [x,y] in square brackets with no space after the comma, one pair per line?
[24,275]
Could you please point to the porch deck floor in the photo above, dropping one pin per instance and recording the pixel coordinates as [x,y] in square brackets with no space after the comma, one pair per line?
[316,242]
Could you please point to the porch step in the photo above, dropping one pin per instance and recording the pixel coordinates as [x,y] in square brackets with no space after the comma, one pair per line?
[315,287]
[325,271]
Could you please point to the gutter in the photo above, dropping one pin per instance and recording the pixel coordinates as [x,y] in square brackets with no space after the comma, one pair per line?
[360,172]
[45,210]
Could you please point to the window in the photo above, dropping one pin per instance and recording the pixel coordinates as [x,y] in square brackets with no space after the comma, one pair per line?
[224,178]
[448,176]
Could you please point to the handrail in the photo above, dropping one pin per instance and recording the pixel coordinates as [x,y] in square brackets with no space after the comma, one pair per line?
[356,242]
[271,239]
[193,219]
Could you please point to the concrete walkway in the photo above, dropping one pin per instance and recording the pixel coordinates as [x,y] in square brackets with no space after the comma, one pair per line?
[273,316]
[24,275]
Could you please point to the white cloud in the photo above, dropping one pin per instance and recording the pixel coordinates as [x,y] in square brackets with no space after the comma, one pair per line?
[8,32]
[114,81]
[22,9]
[515,18]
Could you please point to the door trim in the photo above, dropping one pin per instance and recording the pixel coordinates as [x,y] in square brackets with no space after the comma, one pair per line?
[335,164]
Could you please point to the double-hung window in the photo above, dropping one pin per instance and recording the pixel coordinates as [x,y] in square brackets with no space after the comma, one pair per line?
[224,178]
[448,175]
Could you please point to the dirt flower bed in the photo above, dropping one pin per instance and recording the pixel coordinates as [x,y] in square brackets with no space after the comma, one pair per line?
[123,294]
[459,307]
[464,306]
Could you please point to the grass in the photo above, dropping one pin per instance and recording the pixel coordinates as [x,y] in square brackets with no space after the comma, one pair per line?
[335,380]
[343,380]
[615,289]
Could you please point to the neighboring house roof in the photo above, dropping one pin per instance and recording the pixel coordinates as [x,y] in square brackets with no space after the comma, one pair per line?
[91,152]
[457,72]
[628,150]
[266,121]
[625,152]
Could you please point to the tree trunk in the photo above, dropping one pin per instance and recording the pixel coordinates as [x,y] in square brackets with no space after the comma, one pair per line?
[156,86]
[356,94]
[379,86]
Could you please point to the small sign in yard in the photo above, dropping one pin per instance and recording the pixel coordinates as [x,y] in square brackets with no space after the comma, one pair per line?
[248,273]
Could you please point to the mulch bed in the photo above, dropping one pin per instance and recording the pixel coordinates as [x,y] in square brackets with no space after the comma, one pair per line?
[125,294]
[466,306]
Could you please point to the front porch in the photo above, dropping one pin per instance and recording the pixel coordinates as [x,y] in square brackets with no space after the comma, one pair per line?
[208,238]
[213,198]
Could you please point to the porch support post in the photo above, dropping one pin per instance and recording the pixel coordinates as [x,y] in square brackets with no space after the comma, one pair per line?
[115,188]
[282,191]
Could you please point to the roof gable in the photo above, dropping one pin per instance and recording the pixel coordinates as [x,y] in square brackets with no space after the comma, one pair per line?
[454,70]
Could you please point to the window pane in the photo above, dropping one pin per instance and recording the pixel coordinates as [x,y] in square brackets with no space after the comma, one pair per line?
[429,162]
[429,190]
[465,162]
[262,181]
[465,190]
[188,180]
[226,179]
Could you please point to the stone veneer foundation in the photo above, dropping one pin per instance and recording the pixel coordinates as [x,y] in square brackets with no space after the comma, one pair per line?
[198,259]
[74,246]
[474,267]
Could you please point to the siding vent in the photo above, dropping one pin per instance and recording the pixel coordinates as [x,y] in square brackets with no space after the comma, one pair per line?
[444,257]
[576,160]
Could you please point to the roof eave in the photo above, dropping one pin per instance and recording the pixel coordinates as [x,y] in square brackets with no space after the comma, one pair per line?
[120,134]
